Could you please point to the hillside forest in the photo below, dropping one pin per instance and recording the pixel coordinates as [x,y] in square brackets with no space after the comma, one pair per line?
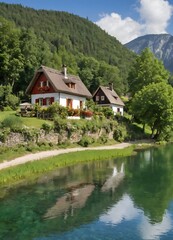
[57,38]
[30,38]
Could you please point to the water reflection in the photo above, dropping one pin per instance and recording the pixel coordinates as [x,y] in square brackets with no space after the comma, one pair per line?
[125,198]
[66,204]
[124,210]
[150,231]
[114,180]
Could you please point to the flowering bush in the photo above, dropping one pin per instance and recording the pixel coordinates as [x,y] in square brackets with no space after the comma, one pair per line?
[73,112]
[86,113]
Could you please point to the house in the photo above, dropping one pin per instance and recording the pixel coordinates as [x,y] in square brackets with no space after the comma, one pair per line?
[107,97]
[49,85]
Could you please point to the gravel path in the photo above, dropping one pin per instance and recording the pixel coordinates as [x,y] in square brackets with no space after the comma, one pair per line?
[40,155]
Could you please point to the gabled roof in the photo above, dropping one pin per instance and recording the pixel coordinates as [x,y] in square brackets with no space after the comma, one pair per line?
[58,81]
[111,95]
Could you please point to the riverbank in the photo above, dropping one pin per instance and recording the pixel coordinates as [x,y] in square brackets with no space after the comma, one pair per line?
[45,154]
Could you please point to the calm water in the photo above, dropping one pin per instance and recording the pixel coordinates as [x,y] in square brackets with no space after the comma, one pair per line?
[129,198]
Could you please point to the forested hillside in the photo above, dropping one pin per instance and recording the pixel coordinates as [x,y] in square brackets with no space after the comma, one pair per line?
[34,37]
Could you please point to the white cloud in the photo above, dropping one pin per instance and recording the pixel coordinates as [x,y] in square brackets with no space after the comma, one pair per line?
[123,210]
[154,231]
[155,14]
[154,18]
[123,29]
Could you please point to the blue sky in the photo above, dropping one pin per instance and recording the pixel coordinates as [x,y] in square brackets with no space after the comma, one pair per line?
[124,19]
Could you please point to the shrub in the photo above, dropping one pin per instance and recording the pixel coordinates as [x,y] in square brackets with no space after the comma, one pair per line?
[13,122]
[12,101]
[120,133]
[4,134]
[47,127]
[85,141]
[8,108]
[56,109]
[108,112]
[86,113]
[73,112]
[60,124]
[30,134]
[103,139]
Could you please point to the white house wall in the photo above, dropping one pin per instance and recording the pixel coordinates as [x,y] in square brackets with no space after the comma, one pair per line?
[61,98]
[115,109]
[45,95]
[76,100]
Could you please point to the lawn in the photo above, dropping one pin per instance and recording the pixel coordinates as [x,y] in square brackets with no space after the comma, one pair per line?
[27,121]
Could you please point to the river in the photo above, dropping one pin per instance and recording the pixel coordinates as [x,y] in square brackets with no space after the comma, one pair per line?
[125,198]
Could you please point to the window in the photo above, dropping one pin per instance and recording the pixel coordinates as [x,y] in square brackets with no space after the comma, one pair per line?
[41,101]
[102,98]
[41,84]
[81,105]
[118,110]
[71,85]
[48,101]
[97,98]
[69,103]
[47,83]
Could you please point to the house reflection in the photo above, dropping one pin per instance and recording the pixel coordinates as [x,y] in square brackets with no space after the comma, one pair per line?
[114,180]
[74,199]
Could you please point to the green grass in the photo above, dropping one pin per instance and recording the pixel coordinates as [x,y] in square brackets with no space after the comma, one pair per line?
[34,169]
[27,121]
[5,114]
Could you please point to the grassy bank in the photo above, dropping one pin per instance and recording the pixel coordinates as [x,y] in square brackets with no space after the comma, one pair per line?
[32,170]
[10,153]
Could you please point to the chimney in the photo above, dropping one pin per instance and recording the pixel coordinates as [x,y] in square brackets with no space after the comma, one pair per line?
[65,71]
[111,86]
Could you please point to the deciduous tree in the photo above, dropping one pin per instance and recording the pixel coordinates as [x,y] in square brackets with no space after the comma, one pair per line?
[147,69]
[153,105]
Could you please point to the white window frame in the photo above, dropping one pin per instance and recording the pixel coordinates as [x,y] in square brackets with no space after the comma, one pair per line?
[97,98]
[102,98]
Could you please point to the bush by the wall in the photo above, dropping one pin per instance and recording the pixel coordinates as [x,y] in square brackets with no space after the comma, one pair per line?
[13,122]
[120,133]
[86,141]
[47,127]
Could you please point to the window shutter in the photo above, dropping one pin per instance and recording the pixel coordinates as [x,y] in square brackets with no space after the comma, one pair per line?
[44,101]
[52,100]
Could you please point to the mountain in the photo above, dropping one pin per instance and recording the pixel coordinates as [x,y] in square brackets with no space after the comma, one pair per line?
[160,44]
[77,35]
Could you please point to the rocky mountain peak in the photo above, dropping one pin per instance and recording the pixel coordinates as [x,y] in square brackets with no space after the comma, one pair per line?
[160,44]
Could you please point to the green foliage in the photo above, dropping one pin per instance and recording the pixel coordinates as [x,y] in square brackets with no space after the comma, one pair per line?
[7,99]
[33,169]
[54,38]
[120,133]
[56,109]
[103,139]
[86,141]
[153,106]
[147,69]
[108,112]
[4,134]
[30,134]
[60,124]
[47,127]
[94,73]
[13,122]
[11,57]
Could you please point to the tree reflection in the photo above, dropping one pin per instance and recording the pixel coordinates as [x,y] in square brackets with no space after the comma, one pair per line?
[150,176]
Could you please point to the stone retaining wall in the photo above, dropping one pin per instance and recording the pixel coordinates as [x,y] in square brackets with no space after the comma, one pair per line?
[15,139]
